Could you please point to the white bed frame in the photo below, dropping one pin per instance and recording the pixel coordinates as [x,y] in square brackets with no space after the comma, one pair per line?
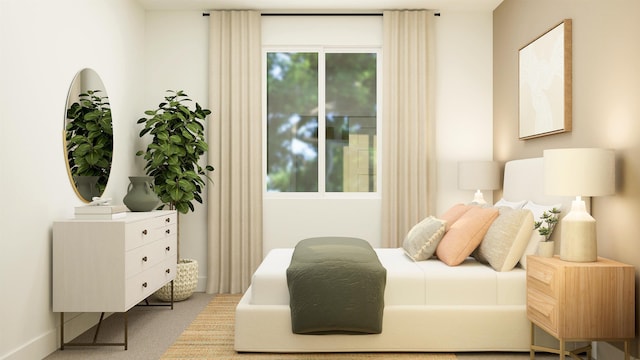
[410,328]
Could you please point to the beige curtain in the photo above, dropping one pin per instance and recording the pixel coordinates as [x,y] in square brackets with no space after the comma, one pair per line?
[408,153]
[235,137]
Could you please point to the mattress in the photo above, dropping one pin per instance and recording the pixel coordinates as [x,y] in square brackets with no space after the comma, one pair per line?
[429,282]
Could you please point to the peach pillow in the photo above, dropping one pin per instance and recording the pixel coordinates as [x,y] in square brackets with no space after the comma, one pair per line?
[454,213]
[465,235]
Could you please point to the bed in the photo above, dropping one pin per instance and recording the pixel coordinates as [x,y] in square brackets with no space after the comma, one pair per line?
[429,306]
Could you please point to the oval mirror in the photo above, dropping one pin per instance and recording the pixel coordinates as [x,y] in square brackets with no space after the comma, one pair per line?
[88,135]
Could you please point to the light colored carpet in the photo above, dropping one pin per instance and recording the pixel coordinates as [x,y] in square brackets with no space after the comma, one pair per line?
[151,331]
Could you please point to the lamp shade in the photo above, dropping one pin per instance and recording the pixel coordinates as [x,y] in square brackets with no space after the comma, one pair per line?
[579,172]
[478,175]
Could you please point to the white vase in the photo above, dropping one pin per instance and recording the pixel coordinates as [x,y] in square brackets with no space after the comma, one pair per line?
[546,248]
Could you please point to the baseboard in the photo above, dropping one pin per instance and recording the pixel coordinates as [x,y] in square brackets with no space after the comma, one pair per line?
[43,345]
[605,350]
[38,348]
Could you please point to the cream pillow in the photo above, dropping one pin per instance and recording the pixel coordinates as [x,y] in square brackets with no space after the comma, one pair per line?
[423,238]
[465,235]
[506,240]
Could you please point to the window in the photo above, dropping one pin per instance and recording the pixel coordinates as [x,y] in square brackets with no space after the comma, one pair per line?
[321,116]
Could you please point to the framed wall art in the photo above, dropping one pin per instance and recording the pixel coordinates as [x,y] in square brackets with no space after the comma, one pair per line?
[545,83]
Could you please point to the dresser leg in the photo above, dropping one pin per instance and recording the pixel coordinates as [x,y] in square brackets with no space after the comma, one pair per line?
[61,330]
[626,350]
[561,351]
[532,353]
[126,330]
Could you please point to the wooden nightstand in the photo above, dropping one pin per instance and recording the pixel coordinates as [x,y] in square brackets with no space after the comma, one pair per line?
[575,301]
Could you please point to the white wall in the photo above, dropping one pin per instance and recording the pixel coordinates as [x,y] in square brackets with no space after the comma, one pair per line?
[464,99]
[463,112]
[43,44]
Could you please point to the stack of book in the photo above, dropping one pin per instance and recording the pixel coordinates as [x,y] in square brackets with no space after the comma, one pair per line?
[100,212]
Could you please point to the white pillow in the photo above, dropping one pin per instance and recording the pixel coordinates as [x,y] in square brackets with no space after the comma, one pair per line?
[511,204]
[422,240]
[538,209]
[532,247]
[536,238]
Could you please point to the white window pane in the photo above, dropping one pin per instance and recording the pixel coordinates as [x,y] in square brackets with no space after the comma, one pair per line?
[350,88]
[292,122]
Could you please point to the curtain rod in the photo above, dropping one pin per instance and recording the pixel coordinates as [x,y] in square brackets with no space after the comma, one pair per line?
[321,14]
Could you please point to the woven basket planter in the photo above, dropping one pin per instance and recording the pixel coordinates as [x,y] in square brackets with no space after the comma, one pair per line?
[183,285]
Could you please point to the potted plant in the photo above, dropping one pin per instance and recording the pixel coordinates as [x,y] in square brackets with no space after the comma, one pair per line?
[545,227]
[89,142]
[172,159]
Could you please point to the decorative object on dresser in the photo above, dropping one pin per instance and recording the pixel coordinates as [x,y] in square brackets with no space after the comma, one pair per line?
[575,301]
[100,212]
[479,175]
[545,227]
[172,159]
[141,195]
[111,265]
[579,172]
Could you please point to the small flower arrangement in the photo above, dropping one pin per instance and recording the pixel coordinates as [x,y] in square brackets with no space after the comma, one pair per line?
[547,223]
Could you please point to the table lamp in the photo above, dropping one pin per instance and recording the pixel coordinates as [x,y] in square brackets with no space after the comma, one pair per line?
[479,175]
[579,172]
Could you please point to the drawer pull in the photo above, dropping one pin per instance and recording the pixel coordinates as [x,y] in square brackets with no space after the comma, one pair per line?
[168,271]
[144,259]
[168,231]
[144,232]
[168,248]
[144,284]
[168,220]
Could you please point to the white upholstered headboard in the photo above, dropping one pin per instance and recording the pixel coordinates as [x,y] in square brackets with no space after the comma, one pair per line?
[523,180]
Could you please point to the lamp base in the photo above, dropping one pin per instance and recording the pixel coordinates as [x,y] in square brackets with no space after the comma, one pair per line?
[578,242]
[478,198]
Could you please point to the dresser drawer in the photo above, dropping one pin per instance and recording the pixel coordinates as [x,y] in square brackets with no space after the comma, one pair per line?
[143,232]
[140,286]
[146,256]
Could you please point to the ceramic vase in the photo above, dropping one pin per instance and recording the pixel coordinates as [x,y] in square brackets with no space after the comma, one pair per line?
[87,186]
[141,195]
[546,248]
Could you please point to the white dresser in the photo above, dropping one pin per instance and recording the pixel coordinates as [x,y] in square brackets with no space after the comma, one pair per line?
[112,265]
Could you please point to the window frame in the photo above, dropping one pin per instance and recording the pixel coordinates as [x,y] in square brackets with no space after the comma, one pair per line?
[322,193]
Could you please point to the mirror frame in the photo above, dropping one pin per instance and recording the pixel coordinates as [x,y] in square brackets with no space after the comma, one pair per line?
[91,138]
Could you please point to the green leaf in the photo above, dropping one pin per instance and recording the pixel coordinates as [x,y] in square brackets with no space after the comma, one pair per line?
[172,156]
[184,207]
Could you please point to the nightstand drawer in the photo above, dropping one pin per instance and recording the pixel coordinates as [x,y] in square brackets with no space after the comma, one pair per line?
[544,278]
[543,310]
